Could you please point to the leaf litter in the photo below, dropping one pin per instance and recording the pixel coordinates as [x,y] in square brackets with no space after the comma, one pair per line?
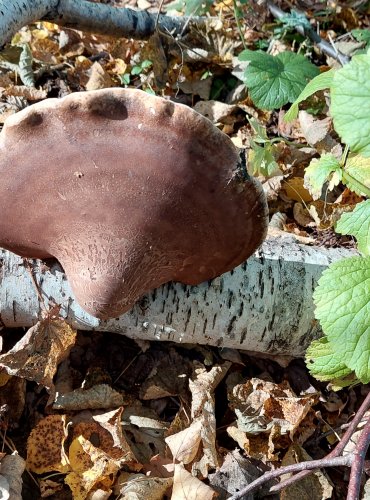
[99,416]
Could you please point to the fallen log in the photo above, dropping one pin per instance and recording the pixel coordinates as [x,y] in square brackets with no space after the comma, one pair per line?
[264,305]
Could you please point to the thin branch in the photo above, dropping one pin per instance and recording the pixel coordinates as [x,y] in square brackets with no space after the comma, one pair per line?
[338,450]
[301,466]
[310,33]
[357,468]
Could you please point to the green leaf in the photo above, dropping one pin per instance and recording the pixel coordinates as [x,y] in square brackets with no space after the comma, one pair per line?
[324,363]
[319,172]
[350,104]
[125,78]
[361,35]
[261,160]
[357,223]
[320,82]
[276,80]
[356,174]
[342,300]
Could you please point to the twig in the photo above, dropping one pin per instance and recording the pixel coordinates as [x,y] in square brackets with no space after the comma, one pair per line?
[355,460]
[310,33]
[358,463]
[301,466]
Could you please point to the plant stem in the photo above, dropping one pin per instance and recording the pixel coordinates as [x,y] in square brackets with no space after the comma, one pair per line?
[237,19]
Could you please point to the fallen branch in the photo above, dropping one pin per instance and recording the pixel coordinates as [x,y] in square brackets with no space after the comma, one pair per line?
[355,460]
[264,305]
[89,16]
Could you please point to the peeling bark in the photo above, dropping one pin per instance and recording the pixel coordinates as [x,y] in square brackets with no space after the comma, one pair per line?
[88,16]
[264,305]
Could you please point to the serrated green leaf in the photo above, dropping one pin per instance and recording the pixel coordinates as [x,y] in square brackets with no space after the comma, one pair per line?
[357,223]
[321,171]
[350,104]
[324,363]
[356,174]
[276,80]
[320,82]
[342,300]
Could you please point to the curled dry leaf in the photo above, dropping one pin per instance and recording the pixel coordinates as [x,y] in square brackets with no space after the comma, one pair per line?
[98,78]
[185,444]
[202,388]
[45,446]
[11,470]
[265,411]
[138,486]
[188,487]
[90,466]
[100,396]
[105,431]
[37,355]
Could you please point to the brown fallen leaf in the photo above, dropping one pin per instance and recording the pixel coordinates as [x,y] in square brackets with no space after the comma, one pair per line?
[188,487]
[37,355]
[100,396]
[45,446]
[202,387]
[138,486]
[98,78]
[313,487]
[29,93]
[90,466]
[185,444]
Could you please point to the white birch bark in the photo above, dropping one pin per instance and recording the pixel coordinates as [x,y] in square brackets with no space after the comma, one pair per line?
[88,16]
[264,305]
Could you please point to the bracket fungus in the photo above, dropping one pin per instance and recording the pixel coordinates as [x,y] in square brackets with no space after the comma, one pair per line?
[128,191]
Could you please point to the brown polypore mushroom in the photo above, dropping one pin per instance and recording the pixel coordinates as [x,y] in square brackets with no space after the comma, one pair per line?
[128,191]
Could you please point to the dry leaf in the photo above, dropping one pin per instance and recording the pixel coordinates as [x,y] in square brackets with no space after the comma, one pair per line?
[90,466]
[45,446]
[202,388]
[49,488]
[216,111]
[188,487]
[313,487]
[138,486]
[37,355]
[98,397]
[105,431]
[185,444]
[295,190]
[98,78]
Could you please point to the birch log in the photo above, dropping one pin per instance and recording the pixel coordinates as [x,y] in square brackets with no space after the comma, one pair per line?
[264,305]
[89,16]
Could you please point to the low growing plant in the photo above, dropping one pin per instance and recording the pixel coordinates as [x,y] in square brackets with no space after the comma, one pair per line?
[342,297]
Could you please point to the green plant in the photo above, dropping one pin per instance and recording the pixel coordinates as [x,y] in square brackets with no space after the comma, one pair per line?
[261,158]
[136,70]
[276,80]
[342,297]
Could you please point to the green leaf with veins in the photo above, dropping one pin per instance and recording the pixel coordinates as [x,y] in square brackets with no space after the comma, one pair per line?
[320,82]
[324,363]
[321,171]
[342,300]
[356,174]
[357,223]
[276,80]
[261,160]
[350,104]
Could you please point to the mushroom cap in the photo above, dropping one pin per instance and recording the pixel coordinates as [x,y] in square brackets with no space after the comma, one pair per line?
[128,191]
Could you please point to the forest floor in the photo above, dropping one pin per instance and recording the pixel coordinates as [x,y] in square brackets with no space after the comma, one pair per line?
[118,418]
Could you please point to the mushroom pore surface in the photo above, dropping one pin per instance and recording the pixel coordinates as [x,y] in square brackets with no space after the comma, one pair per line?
[128,191]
